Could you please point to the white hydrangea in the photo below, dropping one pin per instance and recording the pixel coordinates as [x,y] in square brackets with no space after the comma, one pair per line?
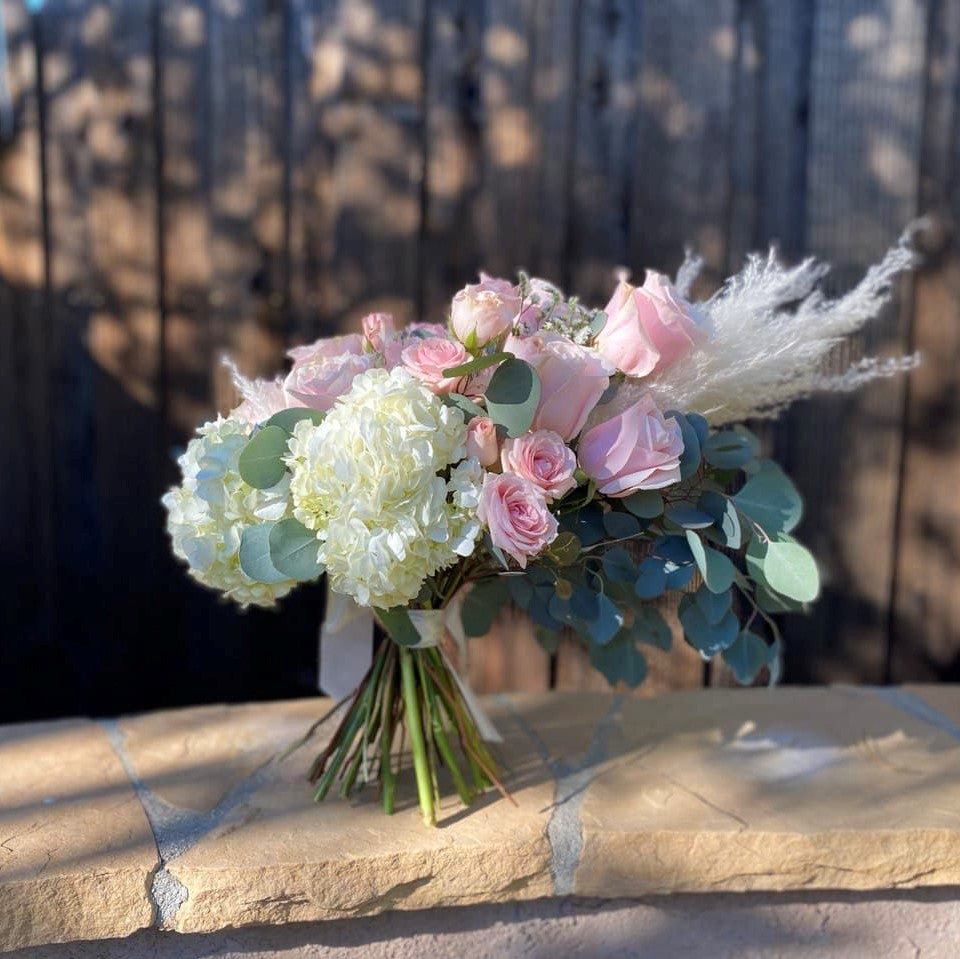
[367,480]
[208,512]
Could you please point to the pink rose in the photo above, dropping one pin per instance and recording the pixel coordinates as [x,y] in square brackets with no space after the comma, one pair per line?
[319,382]
[483,311]
[326,347]
[650,327]
[542,458]
[638,449]
[426,359]
[379,329]
[516,513]
[572,380]
[482,440]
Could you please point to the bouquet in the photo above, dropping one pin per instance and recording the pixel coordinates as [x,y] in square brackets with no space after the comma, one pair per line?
[578,462]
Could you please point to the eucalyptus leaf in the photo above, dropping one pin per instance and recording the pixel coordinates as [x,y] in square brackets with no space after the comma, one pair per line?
[464,404]
[771,500]
[650,627]
[706,637]
[620,662]
[725,518]
[548,639]
[481,605]
[619,525]
[619,565]
[476,365]
[646,503]
[690,458]
[288,419]
[700,425]
[513,396]
[689,517]
[294,550]
[565,549]
[254,554]
[746,657]
[715,568]
[728,450]
[790,570]
[651,578]
[260,464]
[713,605]
[585,523]
[396,621]
[520,589]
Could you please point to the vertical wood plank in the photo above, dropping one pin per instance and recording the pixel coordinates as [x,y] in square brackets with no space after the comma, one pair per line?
[358,130]
[27,556]
[607,117]
[926,605]
[862,177]
[124,333]
[66,103]
[682,163]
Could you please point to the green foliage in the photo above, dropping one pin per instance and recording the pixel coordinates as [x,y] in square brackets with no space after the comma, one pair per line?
[478,364]
[288,419]
[730,449]
[726,522]
[790,569]
[715,568]
[585,523]
[481,605]
[620,662]
[564,550]
[260,463]
[689,517]
[771,500]
[513,396]
[651,580]
[397,623]
[464,404]
[690,460]
[619,525]
[646,504]
[746,656]
[706,637]
[254,554]
[294,549]
[649,627]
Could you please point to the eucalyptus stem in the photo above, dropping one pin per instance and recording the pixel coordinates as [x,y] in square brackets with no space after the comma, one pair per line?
[387,779]
[411,707]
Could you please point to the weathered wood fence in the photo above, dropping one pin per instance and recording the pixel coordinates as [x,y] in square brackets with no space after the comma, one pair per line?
[184,178]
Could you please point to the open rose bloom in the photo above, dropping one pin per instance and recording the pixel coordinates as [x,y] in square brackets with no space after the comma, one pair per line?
[575,461]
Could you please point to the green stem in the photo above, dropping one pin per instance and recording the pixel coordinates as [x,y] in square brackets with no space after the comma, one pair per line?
[387,780]
[411,707]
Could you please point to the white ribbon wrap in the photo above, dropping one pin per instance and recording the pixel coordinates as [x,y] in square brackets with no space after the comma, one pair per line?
[346,650]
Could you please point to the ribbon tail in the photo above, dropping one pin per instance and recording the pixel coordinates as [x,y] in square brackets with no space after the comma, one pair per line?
[484,724]
[346,645]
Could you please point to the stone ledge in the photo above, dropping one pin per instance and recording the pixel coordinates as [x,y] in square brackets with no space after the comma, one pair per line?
[184,820]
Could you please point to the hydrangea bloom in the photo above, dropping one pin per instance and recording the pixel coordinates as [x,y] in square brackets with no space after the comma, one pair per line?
[208,512]
[370,479]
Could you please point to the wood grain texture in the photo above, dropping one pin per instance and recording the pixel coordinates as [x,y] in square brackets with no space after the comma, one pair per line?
[867,84]
[926,602]
[27,555]
[188,177]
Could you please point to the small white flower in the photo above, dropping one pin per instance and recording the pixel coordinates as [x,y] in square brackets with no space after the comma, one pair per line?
[207,513]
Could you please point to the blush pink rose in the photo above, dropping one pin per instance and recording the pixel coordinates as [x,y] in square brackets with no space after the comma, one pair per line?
[650,327]
[481,312]
[572,380]
[379,329]
[482,440]
[319,382]
[638,449]
[516,513]
[327,347]
[426,359]
[542,458]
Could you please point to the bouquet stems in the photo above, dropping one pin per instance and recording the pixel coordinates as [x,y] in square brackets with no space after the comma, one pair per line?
[406,691]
